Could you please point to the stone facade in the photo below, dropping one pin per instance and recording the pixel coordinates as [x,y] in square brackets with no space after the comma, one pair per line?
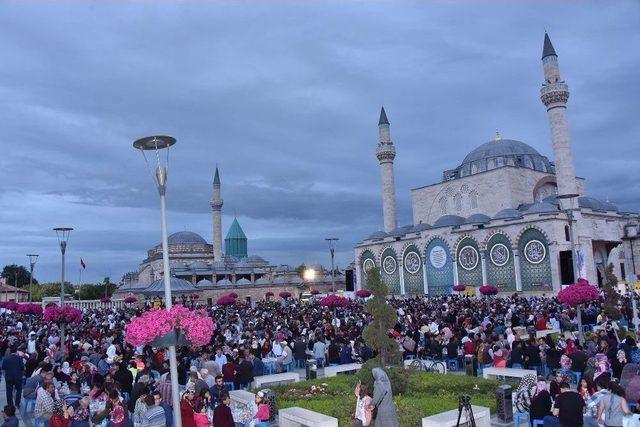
[496,219]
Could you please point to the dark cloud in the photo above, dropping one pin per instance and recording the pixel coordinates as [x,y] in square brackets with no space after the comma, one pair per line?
[284,96]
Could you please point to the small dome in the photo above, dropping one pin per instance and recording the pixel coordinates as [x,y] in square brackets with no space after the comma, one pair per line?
[478,219]
[224,282]
[177,265]
[198,265]
[542,207]
[243,263]
[254,259]
[378,235]
[508,214]
[263,281]
[178,286]
[186,237]
[449,221]
[243,281]
[204,283]
[420,227]
[400,231]
[595,204]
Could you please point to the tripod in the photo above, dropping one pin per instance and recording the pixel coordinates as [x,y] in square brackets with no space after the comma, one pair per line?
[464,404]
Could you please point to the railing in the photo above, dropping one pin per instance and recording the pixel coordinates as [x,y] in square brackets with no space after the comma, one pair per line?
[82,304]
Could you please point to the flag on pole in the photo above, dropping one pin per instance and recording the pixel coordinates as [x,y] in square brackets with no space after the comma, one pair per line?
[82,264]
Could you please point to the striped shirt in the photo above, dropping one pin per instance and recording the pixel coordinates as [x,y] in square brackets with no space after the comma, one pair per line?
[153,416]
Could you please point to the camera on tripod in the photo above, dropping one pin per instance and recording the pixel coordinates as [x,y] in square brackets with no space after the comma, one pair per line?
[464,406]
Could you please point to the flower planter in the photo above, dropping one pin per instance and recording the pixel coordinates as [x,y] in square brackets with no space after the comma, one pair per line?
[173,337]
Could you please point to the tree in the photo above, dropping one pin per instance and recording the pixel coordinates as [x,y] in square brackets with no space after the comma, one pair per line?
[50,290]
[9,273]
[611,295]
[300,269]
[90,291]
[376,334]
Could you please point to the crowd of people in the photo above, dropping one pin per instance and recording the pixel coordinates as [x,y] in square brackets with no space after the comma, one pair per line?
[95,377]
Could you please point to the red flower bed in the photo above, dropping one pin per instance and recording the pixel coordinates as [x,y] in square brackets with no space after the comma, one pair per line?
[30,309]
[488,290]
[130,299]
[459,288]
[315,292]
[65,314]
[334,300]
[226,300]
[269,294]
[363,293]
[105,300]
[233,295]
[579,293]
[9,305]
[196,326]
[284,294]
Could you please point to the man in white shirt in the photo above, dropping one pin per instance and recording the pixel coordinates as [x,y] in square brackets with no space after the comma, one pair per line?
[319,352]
[220,359]
[31,344]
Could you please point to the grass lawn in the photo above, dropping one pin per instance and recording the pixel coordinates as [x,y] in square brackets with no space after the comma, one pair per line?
[427,394]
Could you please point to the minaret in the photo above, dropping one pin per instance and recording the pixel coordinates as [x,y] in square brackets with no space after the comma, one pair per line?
[386,152]
[554,95]
[216,206]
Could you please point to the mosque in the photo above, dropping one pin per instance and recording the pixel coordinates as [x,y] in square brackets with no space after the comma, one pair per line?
[506,216]
[203,269]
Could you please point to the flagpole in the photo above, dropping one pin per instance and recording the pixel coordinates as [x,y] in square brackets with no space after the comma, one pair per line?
[79,277]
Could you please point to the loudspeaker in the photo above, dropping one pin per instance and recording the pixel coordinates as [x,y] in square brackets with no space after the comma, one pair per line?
[348,279]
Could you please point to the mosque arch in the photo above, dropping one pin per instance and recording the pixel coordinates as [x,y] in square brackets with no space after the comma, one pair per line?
[367,260]
[535,260]
[439,264]
[412,265]
[469,261]
[390,270]
[500,262]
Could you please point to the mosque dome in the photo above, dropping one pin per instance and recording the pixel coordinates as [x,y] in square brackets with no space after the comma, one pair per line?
[204,283]
[178,286]
[508,214]
[498,153]
[478,219]
[449,221]
[186,237]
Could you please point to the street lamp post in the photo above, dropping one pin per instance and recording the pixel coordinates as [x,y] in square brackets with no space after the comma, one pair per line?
[574,255]
[32,262]
[63,238]
[631,234]
[155,144]
[332,249]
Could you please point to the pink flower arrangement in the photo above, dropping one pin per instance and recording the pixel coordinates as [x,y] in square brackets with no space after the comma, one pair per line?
[130,299]
[488,290]
[9,305]
[315,292]
[268,294]
[35,309]
[363,293]
[580,293]
[226,300]
[105,300]
[196,326]
[334,301]
[233,295]
[284,294]
[459,288]
[65,314]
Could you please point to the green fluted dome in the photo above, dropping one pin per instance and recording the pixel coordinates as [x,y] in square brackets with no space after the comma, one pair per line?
[235,244]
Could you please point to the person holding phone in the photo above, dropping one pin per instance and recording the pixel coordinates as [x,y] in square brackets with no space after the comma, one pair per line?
[364,408]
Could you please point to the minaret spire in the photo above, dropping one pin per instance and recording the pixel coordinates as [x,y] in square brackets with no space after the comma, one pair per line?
[216,207]
[386,153]
[554,95]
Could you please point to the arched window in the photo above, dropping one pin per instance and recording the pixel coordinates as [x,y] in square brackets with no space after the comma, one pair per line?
[473,200]
[567,235]
[457,202]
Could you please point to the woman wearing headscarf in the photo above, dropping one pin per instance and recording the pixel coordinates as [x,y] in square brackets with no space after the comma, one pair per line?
[525,392]
[540,402]
[383,400]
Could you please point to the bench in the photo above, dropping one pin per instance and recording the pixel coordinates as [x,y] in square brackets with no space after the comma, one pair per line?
[493,373]
[300,417]
[481,414]
[241,397]
[332,371]
[283,378]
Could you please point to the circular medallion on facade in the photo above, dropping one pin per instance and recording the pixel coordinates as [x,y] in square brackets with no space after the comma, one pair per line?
[368,264]
[499,254]
[438,256]
[468,258]
[534,251]
[389,265]
[412,262]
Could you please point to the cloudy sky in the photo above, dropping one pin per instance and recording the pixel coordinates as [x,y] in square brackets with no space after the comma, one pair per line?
[285,97]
